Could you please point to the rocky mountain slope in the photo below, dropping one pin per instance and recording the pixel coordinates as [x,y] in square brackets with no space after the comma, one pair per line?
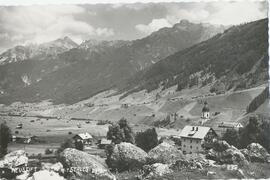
[94,66]
[236,59]
[37,51]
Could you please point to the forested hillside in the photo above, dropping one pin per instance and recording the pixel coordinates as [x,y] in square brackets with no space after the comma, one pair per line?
[236,59]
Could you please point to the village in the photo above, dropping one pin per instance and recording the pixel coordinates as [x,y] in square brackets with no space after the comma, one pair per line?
[197,146]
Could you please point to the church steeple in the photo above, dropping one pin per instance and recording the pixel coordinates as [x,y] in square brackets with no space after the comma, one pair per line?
[205,111]
[205,107]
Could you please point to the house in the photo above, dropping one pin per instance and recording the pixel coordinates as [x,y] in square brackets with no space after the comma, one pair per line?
[22,139]
[224,126]
[86,138]
[195,139]
[102,143]
[230,125]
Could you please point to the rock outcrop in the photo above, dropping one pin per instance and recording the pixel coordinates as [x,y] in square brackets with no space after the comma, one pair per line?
[155,170]
[46,175]
[14,159]
[223,153]
[84,165]
[57,167]
[126,156]
[186,164]
[256,153]
[165,153]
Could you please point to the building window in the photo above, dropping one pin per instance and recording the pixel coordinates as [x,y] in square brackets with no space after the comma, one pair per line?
[190,141]
[190,147]
[197,141]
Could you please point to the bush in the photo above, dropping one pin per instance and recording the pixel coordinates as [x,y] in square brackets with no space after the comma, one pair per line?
[147,140]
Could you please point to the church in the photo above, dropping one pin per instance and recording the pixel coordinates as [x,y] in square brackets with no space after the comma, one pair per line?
[205,113]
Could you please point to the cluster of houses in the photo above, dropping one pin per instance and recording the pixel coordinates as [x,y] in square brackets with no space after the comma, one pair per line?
[24,139]
[88,140]
[195,138]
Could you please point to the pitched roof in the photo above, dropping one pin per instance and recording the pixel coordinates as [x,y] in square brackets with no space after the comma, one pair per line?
[230,124]
[196,132]
[105,141]
[84,136]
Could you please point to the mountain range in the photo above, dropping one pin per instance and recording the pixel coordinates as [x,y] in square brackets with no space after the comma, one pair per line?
[235,59]
[37,51]
[185,55]
[66,72]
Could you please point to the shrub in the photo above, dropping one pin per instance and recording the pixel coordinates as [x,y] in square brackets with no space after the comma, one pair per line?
[147,140]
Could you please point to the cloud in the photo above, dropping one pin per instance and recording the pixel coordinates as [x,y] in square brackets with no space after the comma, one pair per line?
[174,15]
[104,32]
[228,13]
[38,24]
[221,12]
[154,25]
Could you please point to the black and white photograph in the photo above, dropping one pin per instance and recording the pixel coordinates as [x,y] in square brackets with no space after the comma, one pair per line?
[134,90]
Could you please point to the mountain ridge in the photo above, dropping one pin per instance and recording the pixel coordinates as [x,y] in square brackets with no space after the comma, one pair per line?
[226,57]
[92,66]
[37,51]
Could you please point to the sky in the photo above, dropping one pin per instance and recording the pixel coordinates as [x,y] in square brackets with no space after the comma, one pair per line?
[43,23]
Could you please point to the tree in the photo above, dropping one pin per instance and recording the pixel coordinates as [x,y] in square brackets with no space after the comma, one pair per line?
[120,132]
[79,145]
[250,133]
[5,136]
[67,144]
[231,136]
[259,100]
[147,140]
[264,136]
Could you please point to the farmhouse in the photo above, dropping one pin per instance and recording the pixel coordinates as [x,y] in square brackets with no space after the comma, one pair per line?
[195,139]
[230,125]
[86,138]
